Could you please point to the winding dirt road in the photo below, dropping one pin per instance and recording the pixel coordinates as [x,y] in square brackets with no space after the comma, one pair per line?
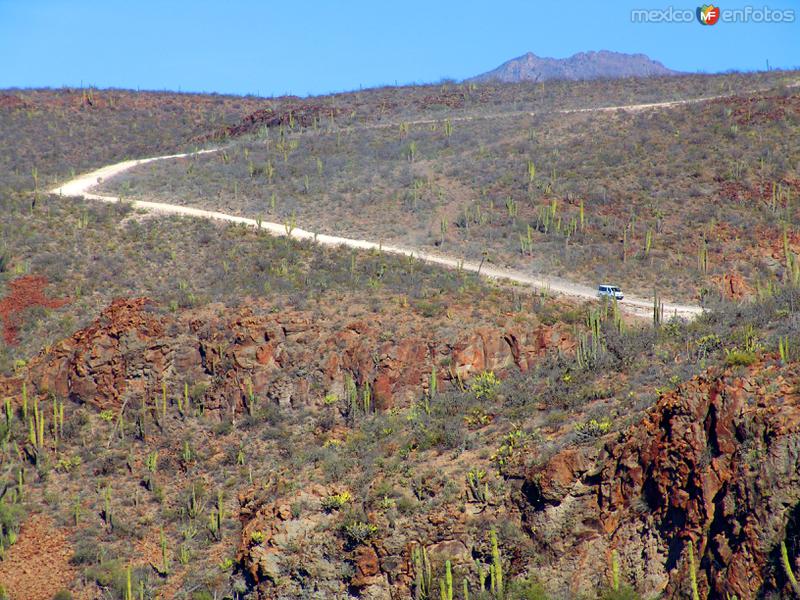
[81,186]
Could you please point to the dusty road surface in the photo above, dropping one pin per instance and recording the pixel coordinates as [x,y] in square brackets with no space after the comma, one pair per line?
[81,186]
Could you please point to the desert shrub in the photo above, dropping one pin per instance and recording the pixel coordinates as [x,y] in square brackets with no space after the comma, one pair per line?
[739,358]
[77,420]
[110,574]
[439,430]
[85,552]
[63,595]
[593,428]
[631,346]
[624,592]
[525,589]
[356,527]
[336,466]
[10,517]
[327,420]
[707,345]
[485,386]
[335,501]
[540,384]
[358,532]
[572,316]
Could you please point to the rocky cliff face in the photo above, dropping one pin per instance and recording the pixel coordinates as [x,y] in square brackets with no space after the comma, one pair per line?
[715,464]
[292,358]
[378,568]
[584,65]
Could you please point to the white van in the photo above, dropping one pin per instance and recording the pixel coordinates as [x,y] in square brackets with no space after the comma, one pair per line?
[609,291]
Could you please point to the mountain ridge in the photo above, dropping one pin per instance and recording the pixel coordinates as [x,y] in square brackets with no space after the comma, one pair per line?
[583,65]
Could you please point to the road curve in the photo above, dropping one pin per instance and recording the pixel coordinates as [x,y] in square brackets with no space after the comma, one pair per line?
[81,186]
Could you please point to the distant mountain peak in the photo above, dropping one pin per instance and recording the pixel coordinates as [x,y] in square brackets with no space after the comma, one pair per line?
[583,65]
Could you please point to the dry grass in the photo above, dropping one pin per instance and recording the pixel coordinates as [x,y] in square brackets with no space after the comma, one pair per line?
[637,175]
[406,468]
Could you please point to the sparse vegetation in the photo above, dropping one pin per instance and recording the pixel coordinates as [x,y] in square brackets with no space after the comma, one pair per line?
[440,393]
[577,198]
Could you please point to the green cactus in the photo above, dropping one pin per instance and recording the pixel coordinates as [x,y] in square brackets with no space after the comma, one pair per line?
[693,573]
[624,245]
[702,257]
[448,128]
[422,573]
[252,401]
[658,309]
[787,568]
[412,150]
[614,571]
[511,207]
[151,462]
[107,515]
[366,397]
[290,224]
[496,568]
[446,585]
[478,487]
[164,554]
[783,348]
[128,584]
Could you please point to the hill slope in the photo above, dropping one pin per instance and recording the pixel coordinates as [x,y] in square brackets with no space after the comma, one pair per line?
[200,410]
[584,65]
[583,196]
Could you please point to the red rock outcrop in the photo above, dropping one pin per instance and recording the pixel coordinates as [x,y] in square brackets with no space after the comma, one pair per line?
[733,286]
[120,352]
[290,357]
[715,463]
[24,292]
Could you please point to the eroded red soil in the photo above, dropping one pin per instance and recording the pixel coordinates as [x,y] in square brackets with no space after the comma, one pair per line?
[25,292]
[37,566]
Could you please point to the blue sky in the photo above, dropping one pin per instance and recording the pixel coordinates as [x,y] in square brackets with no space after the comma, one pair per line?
[313,47]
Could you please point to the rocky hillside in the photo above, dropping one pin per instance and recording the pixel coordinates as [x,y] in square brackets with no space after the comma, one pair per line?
[236,356]
[202,411]
[575,196]
[275,452]
[714,464]
[583,65]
